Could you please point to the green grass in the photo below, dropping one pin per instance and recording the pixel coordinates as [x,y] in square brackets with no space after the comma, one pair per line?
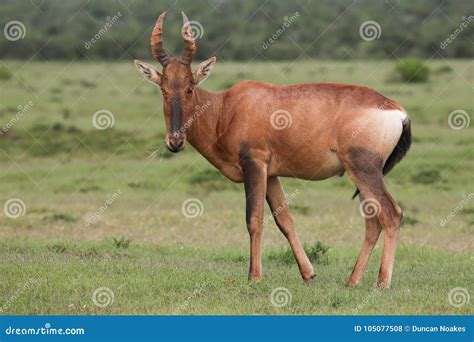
[151,279]
[155,260]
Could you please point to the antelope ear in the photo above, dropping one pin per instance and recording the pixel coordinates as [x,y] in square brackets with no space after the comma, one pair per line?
[204,70]
[149,72]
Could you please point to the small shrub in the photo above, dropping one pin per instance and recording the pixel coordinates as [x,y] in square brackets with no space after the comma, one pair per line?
[73,129]
[426,177]
[87,84]
[409,220]
[443,69]
[205,176]
[467,211]
[58,127]
[317,254]
[148,185]
[58,248]
[88,253]
[65,217]
[300,208]
[121,242]
[5,74]
[89,187]
[66,113]
[211,180]
[208,179]
[412,70]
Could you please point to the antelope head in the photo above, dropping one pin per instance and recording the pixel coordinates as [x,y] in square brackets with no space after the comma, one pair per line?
[176,80]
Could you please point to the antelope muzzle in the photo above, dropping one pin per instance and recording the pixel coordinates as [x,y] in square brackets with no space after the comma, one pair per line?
[176,137]
[175,141]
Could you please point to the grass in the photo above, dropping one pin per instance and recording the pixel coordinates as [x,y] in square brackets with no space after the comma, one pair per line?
[155,260]
[153,279]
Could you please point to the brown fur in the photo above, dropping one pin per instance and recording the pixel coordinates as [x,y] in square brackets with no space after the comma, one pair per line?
[236,135]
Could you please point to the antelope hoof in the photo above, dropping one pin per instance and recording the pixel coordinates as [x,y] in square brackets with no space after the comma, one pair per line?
[352,284]
[255,278]
[383,284]
[308,280]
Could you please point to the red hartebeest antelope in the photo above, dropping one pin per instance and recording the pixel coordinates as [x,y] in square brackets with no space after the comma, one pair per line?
[331,128]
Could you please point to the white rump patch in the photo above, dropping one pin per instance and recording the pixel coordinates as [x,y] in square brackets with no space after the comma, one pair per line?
[386,129]
[403,116]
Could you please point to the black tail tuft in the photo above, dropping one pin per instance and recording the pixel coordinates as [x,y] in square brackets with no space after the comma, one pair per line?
[400,150]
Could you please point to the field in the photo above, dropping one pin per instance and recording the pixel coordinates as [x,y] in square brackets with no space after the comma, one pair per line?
[103,230]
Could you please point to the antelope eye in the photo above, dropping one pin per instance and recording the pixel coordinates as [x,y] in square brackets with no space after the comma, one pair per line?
[189,91]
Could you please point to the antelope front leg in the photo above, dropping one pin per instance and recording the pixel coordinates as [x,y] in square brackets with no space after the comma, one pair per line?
[255,180]
[280,211]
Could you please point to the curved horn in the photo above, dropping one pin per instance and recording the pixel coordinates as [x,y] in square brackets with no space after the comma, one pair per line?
[189,42]
[157,43]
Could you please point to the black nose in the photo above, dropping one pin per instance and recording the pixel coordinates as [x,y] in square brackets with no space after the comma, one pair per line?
[176,146]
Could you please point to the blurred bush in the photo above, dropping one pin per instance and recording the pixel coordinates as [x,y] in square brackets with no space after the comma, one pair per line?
[412,70]
[5,74]
[236,30]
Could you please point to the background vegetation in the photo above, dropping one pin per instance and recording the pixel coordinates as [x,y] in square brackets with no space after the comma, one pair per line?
[141,247]
[237,29]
